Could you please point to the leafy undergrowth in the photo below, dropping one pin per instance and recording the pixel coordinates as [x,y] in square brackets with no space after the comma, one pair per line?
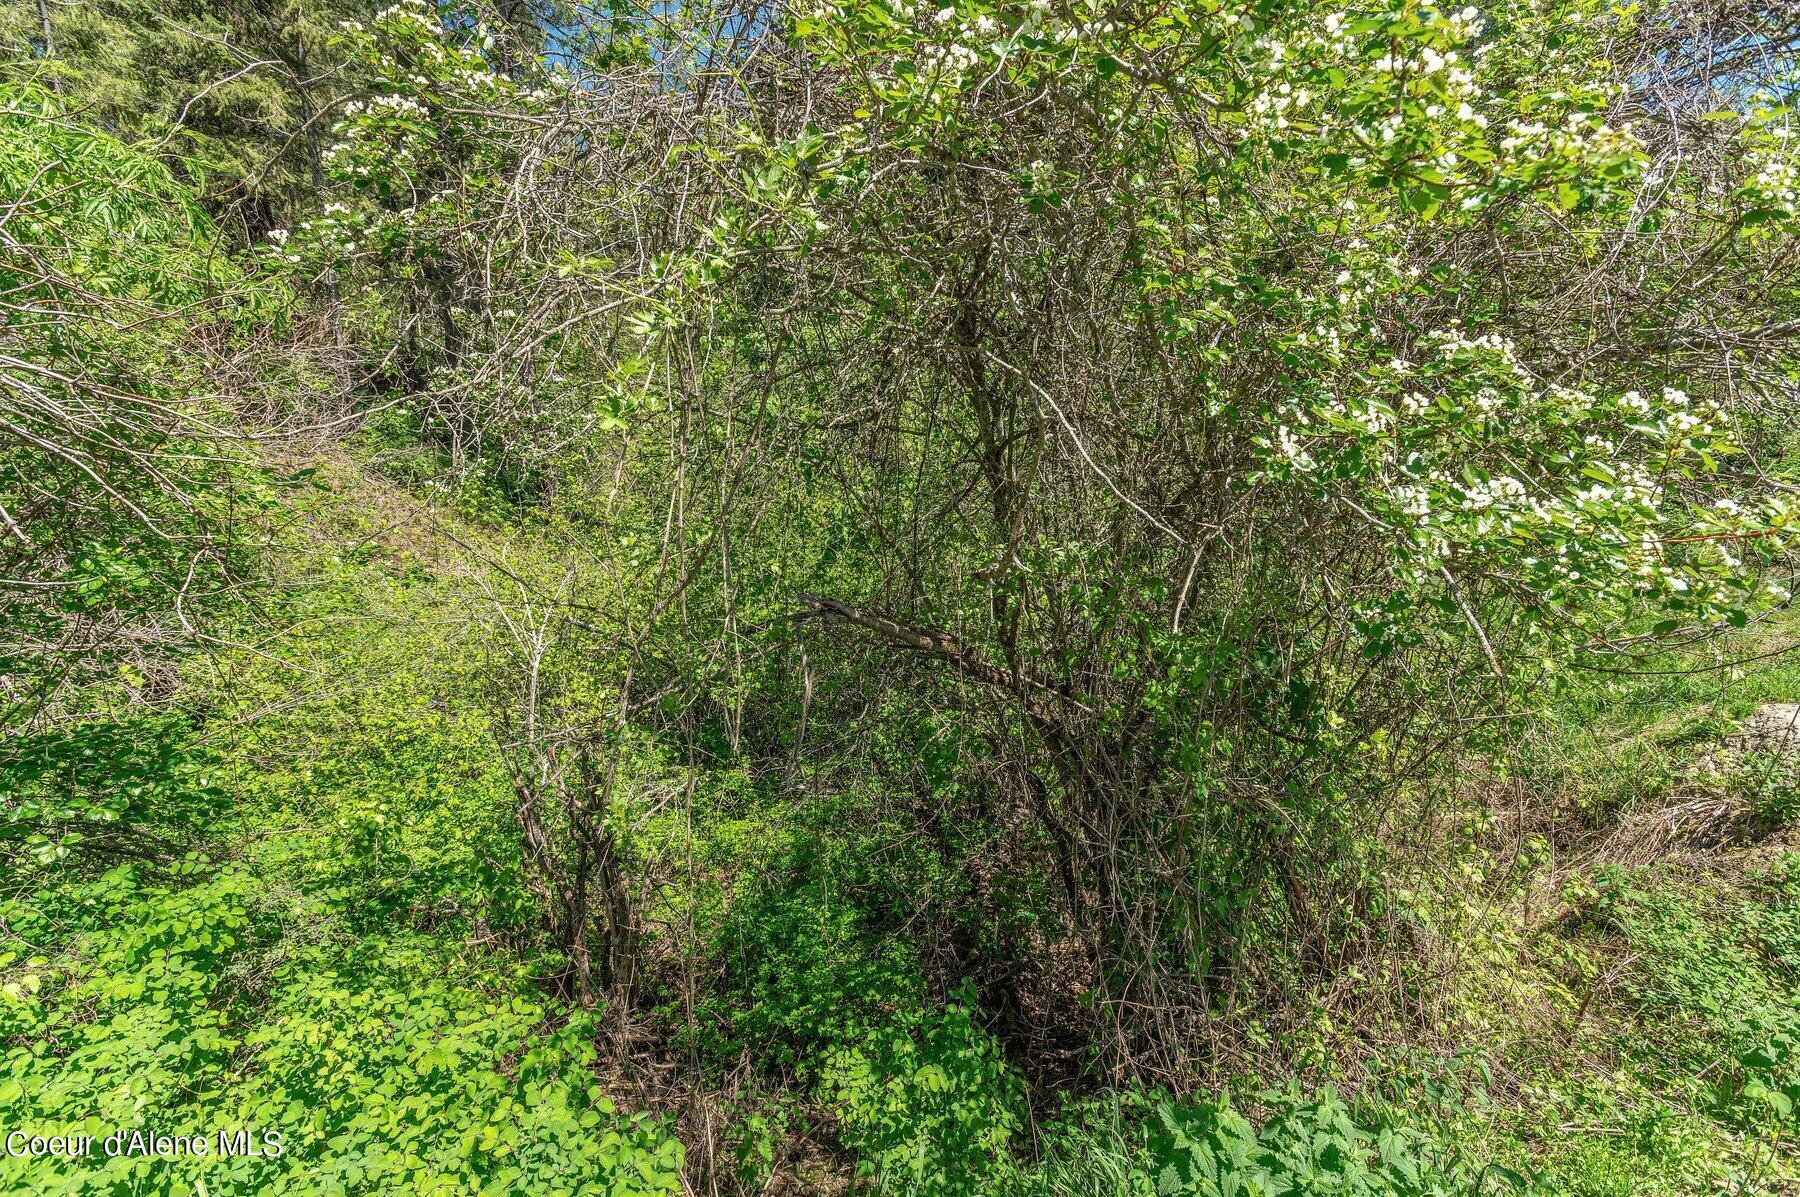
[1659,935]
[1671,1068]
[188,1006]
[1683,1078]
[330,959]
[340,961]
[1630,999]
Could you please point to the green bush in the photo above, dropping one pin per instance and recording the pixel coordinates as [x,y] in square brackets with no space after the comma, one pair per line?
[1311,1143]
[102,791]
[1717,968]
[810,972]
[926,1102]
[385,1064]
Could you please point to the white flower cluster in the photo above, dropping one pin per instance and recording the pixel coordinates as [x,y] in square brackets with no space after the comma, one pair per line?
[335,230]
[1414,501]
[278,246]
[948,64]
[1597,498]
[1583,136]
[1368,419]
[973,37]
[1328,340]
[966,39]
[1466,22]
[1679,419]
[417,9]
[1483,495]
[415,12]
[1774,182]
[422,17]
[1289,446]
[1424,71]
[340,158]
[397,105]
[1275,104]
[1451,341]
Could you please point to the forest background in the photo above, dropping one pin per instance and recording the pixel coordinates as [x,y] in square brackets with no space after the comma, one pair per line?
[1048,597]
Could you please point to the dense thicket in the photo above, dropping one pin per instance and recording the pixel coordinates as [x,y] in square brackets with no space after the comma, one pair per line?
[916,564]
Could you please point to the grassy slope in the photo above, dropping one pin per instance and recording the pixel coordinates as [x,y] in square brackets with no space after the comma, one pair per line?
[1656,933]
[329,963]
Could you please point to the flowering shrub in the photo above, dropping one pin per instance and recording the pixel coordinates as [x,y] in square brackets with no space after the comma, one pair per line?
[1275,179]
[1475,468]
[1286,388]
